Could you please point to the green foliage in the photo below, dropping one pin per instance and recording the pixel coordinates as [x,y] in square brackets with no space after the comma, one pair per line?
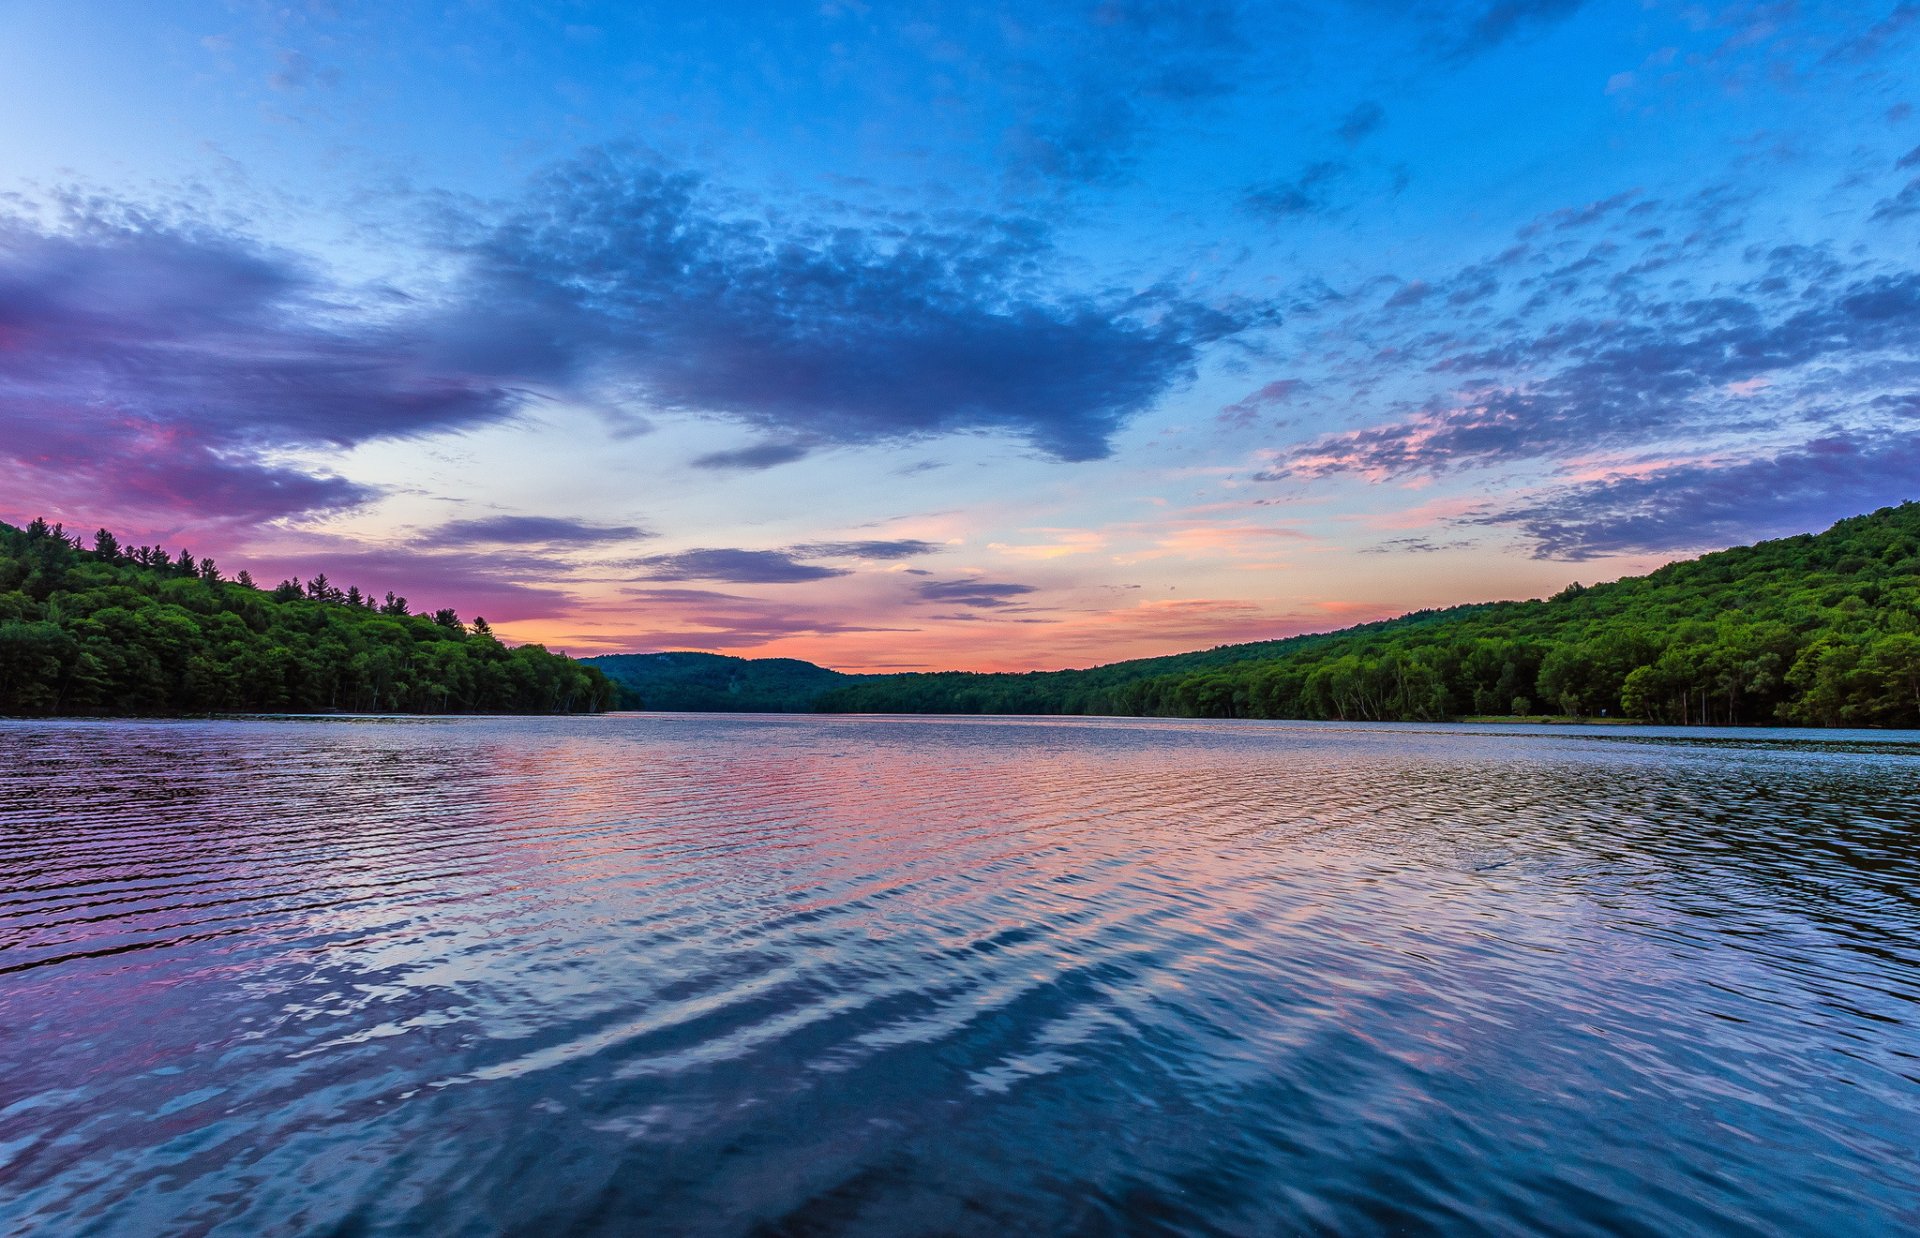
[1811,630]
[716,683]
[118,630]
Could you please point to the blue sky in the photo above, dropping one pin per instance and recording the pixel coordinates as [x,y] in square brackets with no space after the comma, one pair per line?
[956,335]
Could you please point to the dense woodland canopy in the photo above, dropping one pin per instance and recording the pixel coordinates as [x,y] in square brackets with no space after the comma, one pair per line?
[107,629]
[716,683]
[1812,630]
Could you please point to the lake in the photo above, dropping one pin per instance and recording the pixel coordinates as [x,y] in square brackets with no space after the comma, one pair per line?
[797,975]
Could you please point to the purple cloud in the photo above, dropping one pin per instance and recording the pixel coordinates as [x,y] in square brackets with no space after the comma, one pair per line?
[979,594]
[757,456]
[528,530]
[839,335]
[896,548]
[1722,502]
[746,567]
[173,364]
[159,364]
[1613,381]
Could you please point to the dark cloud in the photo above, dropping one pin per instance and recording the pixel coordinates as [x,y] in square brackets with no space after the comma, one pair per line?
[758,456]
[776,567]
[979,594]
[1410,294]
[746,567]
[650,593]
[841,335]
[1304,194]
[1614,381]
[528,530]
[1454,30]
[1906,202]
[164,364]
[1874,40]
[1503,20]
[897,548]
[1362,121]
[1411,545]
[1722,502]
[1249,407]
[1084,117]
[139,472]
[199,327]
[170,364]
[1571,218]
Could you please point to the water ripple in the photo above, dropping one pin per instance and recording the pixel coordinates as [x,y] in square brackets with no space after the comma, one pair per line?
[839,975]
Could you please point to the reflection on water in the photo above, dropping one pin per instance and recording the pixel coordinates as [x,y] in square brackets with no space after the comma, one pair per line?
[836,975]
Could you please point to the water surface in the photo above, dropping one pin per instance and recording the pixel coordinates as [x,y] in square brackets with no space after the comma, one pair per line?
[651,974]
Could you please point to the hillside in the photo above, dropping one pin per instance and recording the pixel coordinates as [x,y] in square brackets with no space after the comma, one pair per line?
[136,630]
[1809,630]
[715,683]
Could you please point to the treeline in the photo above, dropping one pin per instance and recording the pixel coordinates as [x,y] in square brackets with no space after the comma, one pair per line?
[102,628]
[1816,630]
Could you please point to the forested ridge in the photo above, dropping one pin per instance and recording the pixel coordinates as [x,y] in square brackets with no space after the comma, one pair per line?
[716,682]
[1817,630]
[98,628]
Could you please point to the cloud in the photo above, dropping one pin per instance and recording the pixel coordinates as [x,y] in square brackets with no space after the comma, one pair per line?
[1361,122]
[979,594]
[1304,194]
[1671,368]
[1458,30]
[757,456]
[839,335]
[1715,503]
[189,360]
[1412,545]
[1504,20]
[163,364]
[297,71]
[1085,114]
[897,548]
[1410,294]
[746,567]
[135,472]
[528,530]
[1907,201]
[1248,408]
[1871,42]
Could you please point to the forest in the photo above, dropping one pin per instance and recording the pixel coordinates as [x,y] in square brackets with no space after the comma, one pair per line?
[109,629]
[1814,630]
[716,683]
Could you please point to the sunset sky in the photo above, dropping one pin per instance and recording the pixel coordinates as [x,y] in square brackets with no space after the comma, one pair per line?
[926,336]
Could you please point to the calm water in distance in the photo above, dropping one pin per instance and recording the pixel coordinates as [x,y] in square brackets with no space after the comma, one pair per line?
[681,974]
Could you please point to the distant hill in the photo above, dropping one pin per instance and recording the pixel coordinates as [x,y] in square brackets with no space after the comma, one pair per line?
[1810,630]
[717,683]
